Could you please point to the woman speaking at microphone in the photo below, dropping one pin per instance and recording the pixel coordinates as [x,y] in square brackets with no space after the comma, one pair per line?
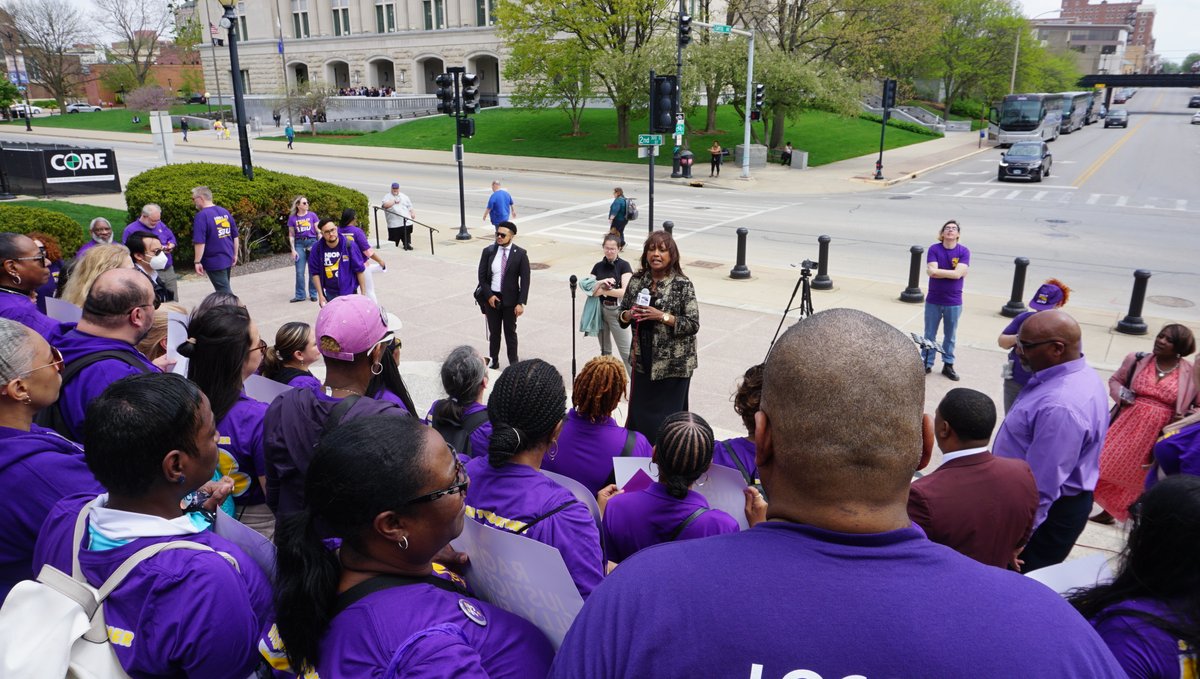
[660,303]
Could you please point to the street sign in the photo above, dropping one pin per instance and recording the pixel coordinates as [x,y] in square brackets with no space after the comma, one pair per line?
[647,151]
[650,140]
[721,28]
[679,128]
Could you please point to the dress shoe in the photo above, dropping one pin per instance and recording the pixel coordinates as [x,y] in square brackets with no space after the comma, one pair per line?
[948,371]
[928,369]
[298,299]
[1103,518]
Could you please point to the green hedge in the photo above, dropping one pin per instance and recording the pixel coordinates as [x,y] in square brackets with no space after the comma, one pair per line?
[17,219]
[901,124]
[260,207]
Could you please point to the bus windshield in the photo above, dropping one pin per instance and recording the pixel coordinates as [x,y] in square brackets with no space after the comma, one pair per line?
[1021,115]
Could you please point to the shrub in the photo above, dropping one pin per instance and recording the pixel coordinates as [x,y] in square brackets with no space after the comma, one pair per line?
[902,124]
[18,219]
[260,207]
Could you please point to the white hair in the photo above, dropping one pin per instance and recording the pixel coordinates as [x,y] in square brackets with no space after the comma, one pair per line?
[16,351]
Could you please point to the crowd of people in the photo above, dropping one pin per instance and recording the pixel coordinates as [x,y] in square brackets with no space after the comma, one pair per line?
[352,497]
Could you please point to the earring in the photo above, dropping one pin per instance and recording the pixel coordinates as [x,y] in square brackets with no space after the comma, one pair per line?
[553,450]
[182,479]
[17,278]
[28,400]
[379,371]
[403,544]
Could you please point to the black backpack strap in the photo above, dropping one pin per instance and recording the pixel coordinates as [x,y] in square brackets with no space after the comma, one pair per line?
[469,424]
[738,461]
[339,411]
[381,582]
[288,374]
[52,417]
[686,522]
[547,515]
[630,440]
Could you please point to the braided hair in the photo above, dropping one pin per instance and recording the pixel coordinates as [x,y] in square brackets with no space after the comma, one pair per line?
[599,388]
[683,450]
[528,401]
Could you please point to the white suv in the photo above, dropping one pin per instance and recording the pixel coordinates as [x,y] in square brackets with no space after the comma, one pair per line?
[82,107]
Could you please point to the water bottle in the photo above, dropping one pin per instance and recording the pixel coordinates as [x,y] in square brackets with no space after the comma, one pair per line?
[643,298]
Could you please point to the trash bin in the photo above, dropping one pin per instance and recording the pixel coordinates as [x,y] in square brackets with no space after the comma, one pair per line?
[685,163]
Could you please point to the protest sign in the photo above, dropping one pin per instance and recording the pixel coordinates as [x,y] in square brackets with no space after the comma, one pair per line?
[1082,572]
[579,491]
[63,311]
[721,486]
[177,334]
[263,389]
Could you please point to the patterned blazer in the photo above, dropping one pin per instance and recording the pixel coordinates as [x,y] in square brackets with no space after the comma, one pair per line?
[672,349]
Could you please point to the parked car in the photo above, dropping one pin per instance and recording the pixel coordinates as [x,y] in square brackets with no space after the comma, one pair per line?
[1194,102]
[82,107]
[1025,160]
[18,110]
[1196,118]
[1117,117]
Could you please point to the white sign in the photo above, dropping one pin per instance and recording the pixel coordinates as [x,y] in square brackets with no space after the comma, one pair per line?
[1082,572]
[177,334]
[522,576]
[264,389]
[62,311]
[580,492]
[720,485]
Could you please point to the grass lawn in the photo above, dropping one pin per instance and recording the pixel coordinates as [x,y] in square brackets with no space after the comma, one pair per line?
[84,214]
[111,120]
[546,134]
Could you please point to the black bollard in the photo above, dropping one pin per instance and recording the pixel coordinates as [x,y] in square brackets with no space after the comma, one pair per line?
[912,294]
[1016,305]
[1133,324]
[822,281]
[669,227]
[740,271]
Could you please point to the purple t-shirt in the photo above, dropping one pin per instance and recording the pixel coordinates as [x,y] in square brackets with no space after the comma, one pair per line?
[637,520]
[586,450]
[337,267]
[356,236]
[160,231]
[480,439]
[181,613]
[515,494]
[305,381]
[946,291]
[435,636]
[304,226]
[292,426]
[94,379]
[1144,650]
[1019,374]
[385,394]
[744,450]
[18,307]
[240,444]
[789,599]
[1178,453]
[216,229]
[85,247]
[50,287]
[37,468]
[1058,426]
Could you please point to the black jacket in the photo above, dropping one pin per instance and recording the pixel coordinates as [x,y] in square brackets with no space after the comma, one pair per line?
[514,286]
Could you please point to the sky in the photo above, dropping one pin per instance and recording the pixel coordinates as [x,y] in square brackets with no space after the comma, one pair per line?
[1176,24]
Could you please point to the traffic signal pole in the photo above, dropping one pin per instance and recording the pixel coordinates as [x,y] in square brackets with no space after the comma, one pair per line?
[749,33]
[650,203]
[684,36]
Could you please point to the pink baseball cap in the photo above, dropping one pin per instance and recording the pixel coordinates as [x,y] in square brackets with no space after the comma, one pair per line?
[349,325]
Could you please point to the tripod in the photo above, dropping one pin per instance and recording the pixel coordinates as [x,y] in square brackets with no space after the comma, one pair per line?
[806,305]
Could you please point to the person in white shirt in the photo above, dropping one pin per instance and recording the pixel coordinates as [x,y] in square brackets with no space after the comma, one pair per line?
[399,212]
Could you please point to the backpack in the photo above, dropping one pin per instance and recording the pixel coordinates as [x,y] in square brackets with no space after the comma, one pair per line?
[459,437]
[51,416]
[631,209]
[54,626]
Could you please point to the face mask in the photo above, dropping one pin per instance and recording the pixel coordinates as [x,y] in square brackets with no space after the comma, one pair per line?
[159,261]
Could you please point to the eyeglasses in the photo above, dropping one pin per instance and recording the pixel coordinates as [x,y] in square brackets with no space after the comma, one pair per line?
[1026,346]
[41,256]
[154,304]
[262,346]
[461,481]
[56,360]
[505,236]
[951,226]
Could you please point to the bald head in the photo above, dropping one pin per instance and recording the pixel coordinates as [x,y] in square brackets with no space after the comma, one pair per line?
[842,397]
[1048,338]
[114,294]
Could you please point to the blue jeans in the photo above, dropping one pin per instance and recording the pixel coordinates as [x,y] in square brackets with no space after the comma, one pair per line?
[219,279]
[948,317]
[303,245]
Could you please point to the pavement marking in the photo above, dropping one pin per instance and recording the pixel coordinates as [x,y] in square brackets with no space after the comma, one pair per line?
[590,228]
[994,182]
[570,208]
[1104,157]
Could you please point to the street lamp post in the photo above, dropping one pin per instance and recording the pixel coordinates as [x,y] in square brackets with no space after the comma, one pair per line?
[1012,81]
[25,87]
[229,21]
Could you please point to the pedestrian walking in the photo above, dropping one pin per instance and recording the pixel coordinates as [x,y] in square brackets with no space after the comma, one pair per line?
[500,207]
[947,267]
[215,238]
[618,215]
[503,290]
[218,128]
[398,210]
[714,167]
[290,133]
[183,127]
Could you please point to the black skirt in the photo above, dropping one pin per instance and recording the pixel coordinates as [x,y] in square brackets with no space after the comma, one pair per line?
[652,401]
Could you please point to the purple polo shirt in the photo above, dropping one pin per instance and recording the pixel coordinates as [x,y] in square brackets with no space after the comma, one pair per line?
[85,247]
[637,520]
[1144,650]
[240,442]
[946,291]
[38,468]
[437,636]
[744,449]
[586,450]
[94,379]
[385,394]
[292,426]
[338,267]
[513,495]
[50,287]
[305,381]
[1178,453]
[18,307]
[186,613]
[792,600]
[217,230]
[304,226]
[480,439]
[160,231]
[355,235]
[1057,425]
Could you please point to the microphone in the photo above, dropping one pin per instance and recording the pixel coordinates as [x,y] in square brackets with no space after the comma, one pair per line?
[574,283]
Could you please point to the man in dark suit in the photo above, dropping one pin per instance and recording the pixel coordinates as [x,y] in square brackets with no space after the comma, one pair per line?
[978,504]
[503,290]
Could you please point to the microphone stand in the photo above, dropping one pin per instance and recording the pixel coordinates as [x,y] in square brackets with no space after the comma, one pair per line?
[574,281]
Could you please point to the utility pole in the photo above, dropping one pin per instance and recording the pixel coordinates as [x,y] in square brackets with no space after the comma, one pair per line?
[458,97]
[749,33]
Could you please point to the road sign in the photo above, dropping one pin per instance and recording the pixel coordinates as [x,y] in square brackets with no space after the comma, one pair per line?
[650,140]
[678,128]
[721,28]
[647,151]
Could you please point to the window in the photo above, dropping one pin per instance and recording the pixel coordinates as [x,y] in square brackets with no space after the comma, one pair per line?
[483,13]
[434,14]
[300,19]
[341,17]
[243,33]
[385,17]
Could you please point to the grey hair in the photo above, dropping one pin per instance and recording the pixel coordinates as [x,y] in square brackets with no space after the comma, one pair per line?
[97,220]
[202,192]
[151,207]
[16,351]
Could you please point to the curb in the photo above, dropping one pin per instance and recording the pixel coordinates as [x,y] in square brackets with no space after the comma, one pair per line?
[916,173]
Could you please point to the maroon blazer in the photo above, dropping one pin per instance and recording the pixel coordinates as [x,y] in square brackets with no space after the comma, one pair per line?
[980,505]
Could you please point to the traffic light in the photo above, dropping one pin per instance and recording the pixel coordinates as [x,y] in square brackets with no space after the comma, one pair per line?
[445,93]
[664,90]
[760,94]
[470,93]
[889,93]
[685,30]
[466,127]
[755,115]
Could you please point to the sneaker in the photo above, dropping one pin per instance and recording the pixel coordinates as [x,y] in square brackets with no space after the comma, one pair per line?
[948,371]
[298,299]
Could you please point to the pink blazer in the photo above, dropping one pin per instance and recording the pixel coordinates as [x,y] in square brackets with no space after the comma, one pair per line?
[1184,402]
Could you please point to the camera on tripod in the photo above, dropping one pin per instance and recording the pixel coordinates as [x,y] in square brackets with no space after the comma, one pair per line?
[807,266]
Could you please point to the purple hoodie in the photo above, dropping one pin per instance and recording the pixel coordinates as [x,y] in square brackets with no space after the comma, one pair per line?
[94,379]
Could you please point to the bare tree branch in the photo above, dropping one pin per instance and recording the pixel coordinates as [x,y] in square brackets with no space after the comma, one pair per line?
[140,24]
[46,31]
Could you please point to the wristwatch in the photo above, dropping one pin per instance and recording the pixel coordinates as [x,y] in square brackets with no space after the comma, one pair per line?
[666,318]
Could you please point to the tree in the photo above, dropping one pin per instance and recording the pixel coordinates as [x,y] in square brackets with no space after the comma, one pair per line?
[311,100]
[191,81]
[713,64]
[561,76]
[139,24]
[48,31]
[1189,62]
[119,78]
[149,98]
[9,94]
[188,35]
[975,45]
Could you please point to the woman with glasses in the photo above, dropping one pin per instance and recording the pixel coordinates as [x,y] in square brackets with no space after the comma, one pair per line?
[508,490]
[54,256]
[24,269]
[223,348]
[37,466]
[302,235]
[379,605]
[461,418]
